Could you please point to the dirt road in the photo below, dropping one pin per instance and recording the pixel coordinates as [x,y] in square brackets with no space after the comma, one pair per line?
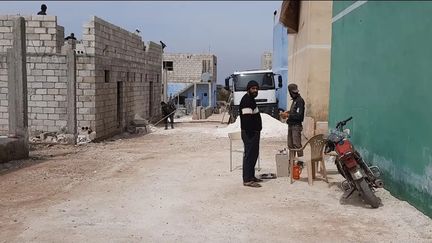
[175,186]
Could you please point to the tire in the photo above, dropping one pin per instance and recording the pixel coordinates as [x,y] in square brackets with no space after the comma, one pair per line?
[367,193]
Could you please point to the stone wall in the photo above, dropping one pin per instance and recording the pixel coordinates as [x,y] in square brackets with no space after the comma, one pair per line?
[188,68]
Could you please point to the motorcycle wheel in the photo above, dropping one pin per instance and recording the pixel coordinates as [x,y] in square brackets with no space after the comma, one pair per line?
[367,193]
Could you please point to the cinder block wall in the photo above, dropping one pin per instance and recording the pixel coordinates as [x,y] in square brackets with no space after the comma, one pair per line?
[132,65]
[188,68]
[42,33]
[132,85]
[3,95]
[46,73]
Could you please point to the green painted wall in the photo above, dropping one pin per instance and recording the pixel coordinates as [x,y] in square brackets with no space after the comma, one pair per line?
[340,6]
[381,74]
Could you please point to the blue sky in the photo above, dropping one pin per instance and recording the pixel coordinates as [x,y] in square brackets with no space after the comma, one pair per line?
[236,32]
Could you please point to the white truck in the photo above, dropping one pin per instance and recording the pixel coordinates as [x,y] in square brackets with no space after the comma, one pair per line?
[266,99]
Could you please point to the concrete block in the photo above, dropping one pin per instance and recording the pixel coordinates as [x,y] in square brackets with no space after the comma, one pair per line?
[48,110]
[59,98]
[41,91]
[46,37]
[51,43]
[36,109]
[5,42]
[60,110]
[40,30]
[53,31]
[47,85]
[40,116]
[53,104]
[41,104]
[52,91]
[5,29]
[52,78]
[33,24]
[41,66]
[37,72]
[49,123]
[36,97]
[48,72]
[48,97]
[50,24]
[53,116]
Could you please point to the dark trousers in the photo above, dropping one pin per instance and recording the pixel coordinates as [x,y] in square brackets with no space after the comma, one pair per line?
[294,138]
[171,117]
[251,151]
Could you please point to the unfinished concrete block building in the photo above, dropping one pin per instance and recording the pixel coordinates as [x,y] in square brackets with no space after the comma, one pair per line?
[185,73]
[111,76]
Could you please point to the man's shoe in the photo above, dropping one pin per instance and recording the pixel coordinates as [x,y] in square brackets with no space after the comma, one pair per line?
[166,128]
[251,184]
[257,180]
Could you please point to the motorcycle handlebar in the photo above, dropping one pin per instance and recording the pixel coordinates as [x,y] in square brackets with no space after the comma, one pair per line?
[341,124]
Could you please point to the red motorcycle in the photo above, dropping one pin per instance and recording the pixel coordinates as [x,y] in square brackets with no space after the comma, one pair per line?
[358,174]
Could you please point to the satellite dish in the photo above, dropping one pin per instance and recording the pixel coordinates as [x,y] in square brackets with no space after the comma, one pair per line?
[206,77]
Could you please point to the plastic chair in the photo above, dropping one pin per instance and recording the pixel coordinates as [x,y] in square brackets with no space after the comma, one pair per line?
[317,144]
[233,136]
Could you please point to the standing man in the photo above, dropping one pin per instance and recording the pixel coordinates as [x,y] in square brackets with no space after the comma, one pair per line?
[167,112]
[295,119]
[251,125]
[43,10]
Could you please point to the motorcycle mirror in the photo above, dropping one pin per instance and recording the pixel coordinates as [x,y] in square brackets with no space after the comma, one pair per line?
[347,131]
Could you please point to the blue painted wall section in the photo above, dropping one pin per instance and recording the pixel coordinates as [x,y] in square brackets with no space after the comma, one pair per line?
[280,61]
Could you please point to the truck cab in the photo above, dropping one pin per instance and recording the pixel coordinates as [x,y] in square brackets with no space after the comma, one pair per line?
[266,99]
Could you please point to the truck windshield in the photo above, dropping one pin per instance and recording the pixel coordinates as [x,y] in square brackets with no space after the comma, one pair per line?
[265,81]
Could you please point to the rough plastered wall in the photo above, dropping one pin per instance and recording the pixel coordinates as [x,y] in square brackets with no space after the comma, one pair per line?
[309,57]
[46,73]
[188,68]
[124,79]
[380,75]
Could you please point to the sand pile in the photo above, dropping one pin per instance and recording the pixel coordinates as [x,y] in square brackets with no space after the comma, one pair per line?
[272,128]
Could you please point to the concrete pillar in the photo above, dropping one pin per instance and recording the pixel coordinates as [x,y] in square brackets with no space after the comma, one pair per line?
[165,84]
[194,97]
[71,94]
[209,96]
[17,82]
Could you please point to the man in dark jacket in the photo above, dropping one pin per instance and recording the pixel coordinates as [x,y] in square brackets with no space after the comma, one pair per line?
[168,112]
[251,126]
[295,119]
